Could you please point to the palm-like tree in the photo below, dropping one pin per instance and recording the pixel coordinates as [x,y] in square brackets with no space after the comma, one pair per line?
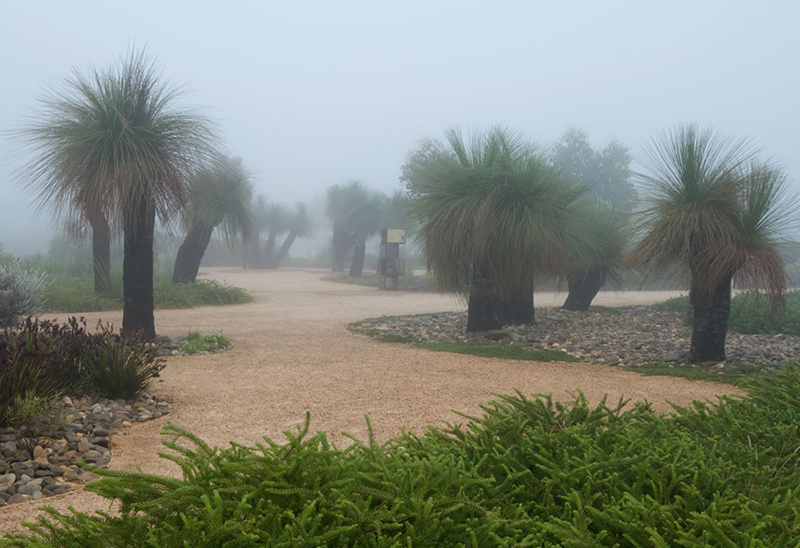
[299,226]
[717,214]
[118,142]
[253,256]
[354,211]
[491,214]
[599,231]
[276,223]
[219,196]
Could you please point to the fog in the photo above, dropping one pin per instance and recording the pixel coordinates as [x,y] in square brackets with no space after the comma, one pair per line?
[312,94]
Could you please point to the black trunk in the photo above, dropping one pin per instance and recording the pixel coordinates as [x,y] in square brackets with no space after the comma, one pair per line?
[101,253]
[137,271]
[284,250]
[191,252]
[342,242]
[270,250]
[255,258]
[583,289]
[357,264]
[483,303]
[711,313]
[517,309]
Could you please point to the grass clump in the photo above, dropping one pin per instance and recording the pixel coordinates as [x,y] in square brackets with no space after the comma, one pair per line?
[529,471]
[504,351]
[196,342]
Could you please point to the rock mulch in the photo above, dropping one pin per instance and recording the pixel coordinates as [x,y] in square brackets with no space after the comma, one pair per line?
[43,466]
[629,336]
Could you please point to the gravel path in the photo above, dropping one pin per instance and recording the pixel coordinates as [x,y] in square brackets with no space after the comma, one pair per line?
[293,353]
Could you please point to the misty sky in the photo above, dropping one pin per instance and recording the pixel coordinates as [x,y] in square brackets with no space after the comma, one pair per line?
[310,94]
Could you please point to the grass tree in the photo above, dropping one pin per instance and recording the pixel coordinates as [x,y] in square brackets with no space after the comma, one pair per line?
[491,214]
[354,211]
[299,226]
[219,196]
[253,255]
[599,233]
[118,141]
[276,222]
[717,214]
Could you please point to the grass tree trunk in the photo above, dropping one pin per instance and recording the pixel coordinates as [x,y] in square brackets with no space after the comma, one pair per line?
[357,264]
[711,313]
[483,303]
[191,252]
[269,252]
[101,254]
[255,257]
[518,308]
[284,250]
[137,271]
[583,289]
[342,242]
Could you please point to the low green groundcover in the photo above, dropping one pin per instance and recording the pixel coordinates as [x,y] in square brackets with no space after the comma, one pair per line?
[528,472]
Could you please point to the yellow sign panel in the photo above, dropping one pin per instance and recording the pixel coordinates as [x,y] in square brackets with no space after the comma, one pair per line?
[395,235]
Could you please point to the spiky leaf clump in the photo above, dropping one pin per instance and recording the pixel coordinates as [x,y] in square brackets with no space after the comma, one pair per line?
[712,210]
[492,201]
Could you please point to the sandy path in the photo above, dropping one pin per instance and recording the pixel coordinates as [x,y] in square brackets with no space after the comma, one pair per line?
[294,354]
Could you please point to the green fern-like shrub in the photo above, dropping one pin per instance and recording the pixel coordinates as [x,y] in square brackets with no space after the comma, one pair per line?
[528,472]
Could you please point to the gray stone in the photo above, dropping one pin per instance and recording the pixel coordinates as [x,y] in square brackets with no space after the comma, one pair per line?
[18,498]
[497,334]
[28,489]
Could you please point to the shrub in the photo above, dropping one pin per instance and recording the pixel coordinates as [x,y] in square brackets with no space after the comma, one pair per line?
[120,366]
[20,293]
[756,315]
[529,472]
[44,358]
[35,415]
[195,342]
[749,314]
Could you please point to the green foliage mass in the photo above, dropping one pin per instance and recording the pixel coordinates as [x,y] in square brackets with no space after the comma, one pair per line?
[196,342]
[528,472]
[42,359]
[749,314]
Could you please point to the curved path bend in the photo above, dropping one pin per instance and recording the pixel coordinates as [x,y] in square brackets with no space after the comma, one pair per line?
[293,354]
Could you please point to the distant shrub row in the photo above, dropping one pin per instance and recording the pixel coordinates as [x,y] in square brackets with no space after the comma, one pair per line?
[749,314]
[529,472]
[80,296]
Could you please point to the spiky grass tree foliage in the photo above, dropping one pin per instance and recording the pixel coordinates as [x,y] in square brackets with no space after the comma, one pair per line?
[299,226]
[491,214]
[117,141]
[219,197]
[600,233]
[355,212]
[717,214]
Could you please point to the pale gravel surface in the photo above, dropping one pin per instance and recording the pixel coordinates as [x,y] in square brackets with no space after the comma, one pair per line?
[293,354]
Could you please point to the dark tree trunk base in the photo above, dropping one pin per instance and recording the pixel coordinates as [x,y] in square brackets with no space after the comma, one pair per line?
[284,250]
[483,304]
[518,308]
[137,272]
[583,290]
[190,254]
[357,264]
[711,314]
